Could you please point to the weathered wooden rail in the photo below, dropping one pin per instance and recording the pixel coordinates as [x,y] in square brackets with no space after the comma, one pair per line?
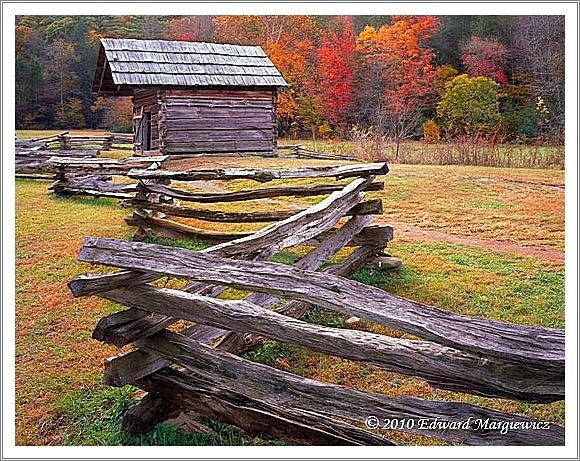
[40,142]
[92,176]
[106,141]
[297,151]
[121,138]
[32,155]
[69,141]
[453,352]
[33,162]
[158,198]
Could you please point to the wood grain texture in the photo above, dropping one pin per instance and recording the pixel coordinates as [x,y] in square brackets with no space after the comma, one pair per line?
[132,162]
[115,329]
[223,372]
[34,176]
[236,136]
[441,366]
[528,345]
[293,231]
[92,192]
[118,330]
[151,409]
[264,174]
[168,228]
[78,153]
[235,342]
[216,146]
[257,417]
[253,194]
[222,123]
[369,207]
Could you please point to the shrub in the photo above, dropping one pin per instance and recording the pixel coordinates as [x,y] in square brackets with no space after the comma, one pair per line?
[325,130]
[367,144]
[520,121]
[469,106]
[430,132]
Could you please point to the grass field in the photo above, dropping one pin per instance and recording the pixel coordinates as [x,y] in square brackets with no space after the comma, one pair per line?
[59,395]
[445,153]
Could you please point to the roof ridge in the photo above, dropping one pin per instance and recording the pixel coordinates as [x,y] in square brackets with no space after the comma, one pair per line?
[176,41]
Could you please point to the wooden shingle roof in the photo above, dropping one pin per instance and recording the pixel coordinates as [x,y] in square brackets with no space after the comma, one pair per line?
[126,63]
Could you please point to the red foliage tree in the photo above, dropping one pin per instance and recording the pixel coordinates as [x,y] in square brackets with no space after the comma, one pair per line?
[336,56]
[485,58]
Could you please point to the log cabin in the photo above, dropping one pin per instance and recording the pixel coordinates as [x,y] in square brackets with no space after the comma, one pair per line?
[191,97]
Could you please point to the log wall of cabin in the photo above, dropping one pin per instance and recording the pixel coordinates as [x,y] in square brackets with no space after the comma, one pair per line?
[199,120]
[148,99]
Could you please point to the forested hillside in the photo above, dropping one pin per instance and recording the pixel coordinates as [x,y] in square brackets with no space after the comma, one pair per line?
[401,76]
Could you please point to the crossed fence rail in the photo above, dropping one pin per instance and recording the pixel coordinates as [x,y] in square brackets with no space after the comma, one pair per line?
[453,352]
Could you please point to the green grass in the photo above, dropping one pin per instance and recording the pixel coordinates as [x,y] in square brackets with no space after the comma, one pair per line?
[487,205]
[478,282]
[94,416]
[321,316]
[194,245]
[268,353]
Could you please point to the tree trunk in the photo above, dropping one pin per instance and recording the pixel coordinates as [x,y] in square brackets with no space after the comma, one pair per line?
[313,129]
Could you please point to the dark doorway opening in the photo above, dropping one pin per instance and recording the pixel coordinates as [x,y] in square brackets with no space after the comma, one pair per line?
[147,128]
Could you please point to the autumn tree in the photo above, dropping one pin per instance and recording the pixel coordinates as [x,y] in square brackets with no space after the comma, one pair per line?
[336,56]
[456,30]
[190,28]
[401,72]
[485,58]
[289,43]
[116,113]
[469,106]
[72,114]
[59,71]
[308,117]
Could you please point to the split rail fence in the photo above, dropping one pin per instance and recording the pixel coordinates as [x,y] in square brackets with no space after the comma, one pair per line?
[159,198]
[454,352]
[68,141]
[105,141]
[297,151]
[93,176]
[32,155]
[34,163]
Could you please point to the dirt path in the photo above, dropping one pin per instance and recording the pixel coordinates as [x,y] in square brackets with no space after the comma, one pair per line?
[406,232]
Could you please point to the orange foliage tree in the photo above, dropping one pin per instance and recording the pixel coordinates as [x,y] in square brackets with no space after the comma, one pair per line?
[402,65]
[336,57]
[287,40]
